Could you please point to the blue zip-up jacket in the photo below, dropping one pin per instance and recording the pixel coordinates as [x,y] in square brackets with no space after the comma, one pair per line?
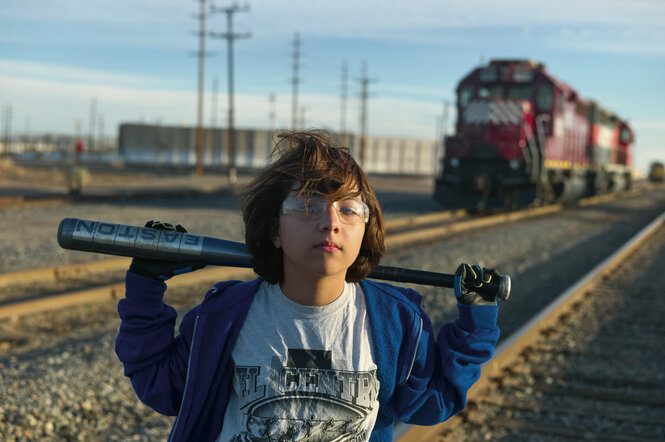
[423,379]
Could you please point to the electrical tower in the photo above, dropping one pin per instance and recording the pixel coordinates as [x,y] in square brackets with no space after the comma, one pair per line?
[364,95]
[230,36]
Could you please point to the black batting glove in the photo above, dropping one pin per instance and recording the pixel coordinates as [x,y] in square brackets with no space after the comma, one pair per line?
[161,270]
[468,279]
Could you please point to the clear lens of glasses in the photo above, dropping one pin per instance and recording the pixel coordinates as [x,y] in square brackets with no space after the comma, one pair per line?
[350,210]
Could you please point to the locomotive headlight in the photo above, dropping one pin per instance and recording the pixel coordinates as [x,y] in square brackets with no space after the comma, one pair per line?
[514,164]
[454,162]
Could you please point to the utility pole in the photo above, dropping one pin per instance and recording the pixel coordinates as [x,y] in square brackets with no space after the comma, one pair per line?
[295,81]
[364,95]
[6,118]
[272,113]
[78,147]
[199,107]
[100,132]
[213,116]
[91,124]
[230,36]
[75,174]
[442,137]
[444,120]
[303,120]
[342,113]
[26,134]
[7,122]
[213,106]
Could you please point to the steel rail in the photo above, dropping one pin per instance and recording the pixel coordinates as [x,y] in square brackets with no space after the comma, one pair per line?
[510,349]
[112,292]
[419,234]
[57,273]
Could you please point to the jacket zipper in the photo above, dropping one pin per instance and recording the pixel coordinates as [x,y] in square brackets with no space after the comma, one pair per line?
[184,393]
[415,352]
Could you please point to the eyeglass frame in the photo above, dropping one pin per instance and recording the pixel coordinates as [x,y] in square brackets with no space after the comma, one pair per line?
[328,204]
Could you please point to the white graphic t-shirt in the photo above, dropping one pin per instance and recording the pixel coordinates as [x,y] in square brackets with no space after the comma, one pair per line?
[303,373]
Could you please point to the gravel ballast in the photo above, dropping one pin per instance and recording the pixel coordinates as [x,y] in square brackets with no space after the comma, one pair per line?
[62,381]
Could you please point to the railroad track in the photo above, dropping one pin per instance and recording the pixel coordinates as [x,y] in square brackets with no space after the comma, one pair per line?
[64,380]
[31,291]
[588,367]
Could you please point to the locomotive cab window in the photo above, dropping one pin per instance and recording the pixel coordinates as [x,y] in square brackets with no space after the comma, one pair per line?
[625,135]
[465,94]
[520,92]
[562,97]
[544,97]
[494,91]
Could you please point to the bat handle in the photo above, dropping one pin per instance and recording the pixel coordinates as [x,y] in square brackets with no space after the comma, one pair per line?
[500,287]
[504,287]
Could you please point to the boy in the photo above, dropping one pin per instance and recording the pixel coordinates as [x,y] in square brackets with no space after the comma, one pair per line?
[310,350]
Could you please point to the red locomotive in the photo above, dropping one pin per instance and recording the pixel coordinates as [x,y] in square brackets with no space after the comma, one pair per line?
[523,137]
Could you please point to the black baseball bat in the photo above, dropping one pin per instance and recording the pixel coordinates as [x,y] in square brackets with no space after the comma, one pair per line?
[145,242]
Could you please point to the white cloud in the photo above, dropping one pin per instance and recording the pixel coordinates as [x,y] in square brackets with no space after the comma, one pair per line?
[371,15]
[64,73]
[374,19]
[55,105]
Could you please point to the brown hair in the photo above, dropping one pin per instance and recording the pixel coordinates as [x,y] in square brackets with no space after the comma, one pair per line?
[314,159]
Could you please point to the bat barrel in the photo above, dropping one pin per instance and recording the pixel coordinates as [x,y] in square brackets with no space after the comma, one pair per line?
[146,242]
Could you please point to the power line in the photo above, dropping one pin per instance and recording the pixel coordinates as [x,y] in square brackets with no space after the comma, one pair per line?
[230,36]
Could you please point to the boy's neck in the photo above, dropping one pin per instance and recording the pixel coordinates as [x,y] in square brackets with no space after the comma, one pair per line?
[313,292]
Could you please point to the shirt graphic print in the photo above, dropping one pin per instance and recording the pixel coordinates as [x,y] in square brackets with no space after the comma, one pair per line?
[307,374]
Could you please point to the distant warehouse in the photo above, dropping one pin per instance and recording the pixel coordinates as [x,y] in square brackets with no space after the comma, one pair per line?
[175,146]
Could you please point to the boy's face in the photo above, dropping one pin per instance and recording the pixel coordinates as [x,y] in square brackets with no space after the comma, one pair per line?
[320,247]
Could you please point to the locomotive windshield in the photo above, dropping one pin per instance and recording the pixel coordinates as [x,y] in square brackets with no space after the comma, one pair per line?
[510,91]
[491,91]
[520,92]
[465,94]
[625,135]
[544,98]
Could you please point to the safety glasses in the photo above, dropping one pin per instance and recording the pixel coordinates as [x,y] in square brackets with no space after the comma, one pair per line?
[350,210]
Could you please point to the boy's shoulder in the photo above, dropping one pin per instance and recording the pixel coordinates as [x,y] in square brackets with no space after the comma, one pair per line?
[230,294]
[388,293]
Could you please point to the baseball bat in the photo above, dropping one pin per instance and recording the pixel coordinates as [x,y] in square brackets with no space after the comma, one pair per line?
[145,242]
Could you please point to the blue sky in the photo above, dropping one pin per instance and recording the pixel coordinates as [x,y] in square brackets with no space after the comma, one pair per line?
[136,59]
